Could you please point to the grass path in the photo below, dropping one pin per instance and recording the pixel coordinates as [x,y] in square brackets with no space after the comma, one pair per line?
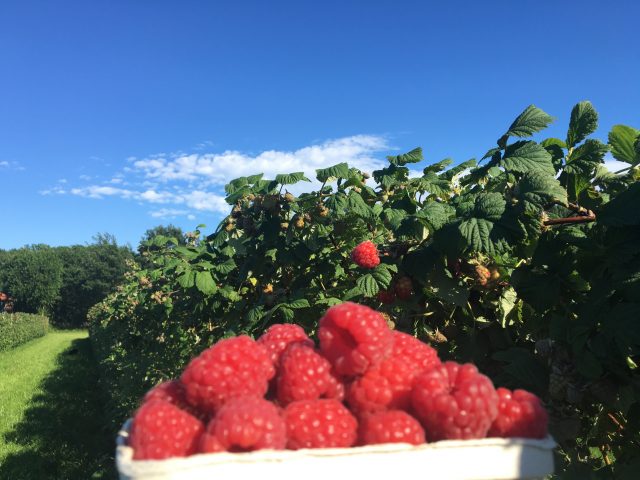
[51,420]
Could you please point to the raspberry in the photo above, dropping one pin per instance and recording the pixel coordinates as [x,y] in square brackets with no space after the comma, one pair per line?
[418,353]
[482,275]
[386,296]
[404,288]
[305,375]
[365,255]
[520,414]
[210,444]
[454,401]
[324,423]
[388,384]
[232,367]
[391,426]
[161,430]
[279,336]
[173,392]
[353,337]
[245,424]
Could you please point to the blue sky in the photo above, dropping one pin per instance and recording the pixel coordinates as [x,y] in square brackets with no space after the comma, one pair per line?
[116,116]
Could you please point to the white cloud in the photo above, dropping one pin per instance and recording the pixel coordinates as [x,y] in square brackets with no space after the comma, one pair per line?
[168,213]
[219,169]
[4,163]
[186,183]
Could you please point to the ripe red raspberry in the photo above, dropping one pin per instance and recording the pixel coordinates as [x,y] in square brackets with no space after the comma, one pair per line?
[404,288]
[386,296]
[245,424]
[388,384]
[172,391]
[210,444]
[277,337]
[419,354]
[454,401]
[390,426]
[232,367]
[353,337]
[161,430]
[520,414]
[323,423]
[365,255]
[305,375]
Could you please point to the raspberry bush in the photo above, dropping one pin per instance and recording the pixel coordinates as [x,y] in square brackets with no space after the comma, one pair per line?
[525,263]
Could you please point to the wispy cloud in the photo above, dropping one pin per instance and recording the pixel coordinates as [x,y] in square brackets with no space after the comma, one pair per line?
[185,183]
[11,165]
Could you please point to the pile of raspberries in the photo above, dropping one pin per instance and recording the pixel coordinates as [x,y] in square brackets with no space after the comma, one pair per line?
[364,384]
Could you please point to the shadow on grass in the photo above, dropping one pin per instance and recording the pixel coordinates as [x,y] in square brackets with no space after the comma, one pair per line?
[63,434]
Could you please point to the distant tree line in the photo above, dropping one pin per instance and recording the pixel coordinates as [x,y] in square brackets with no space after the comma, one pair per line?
[64,282]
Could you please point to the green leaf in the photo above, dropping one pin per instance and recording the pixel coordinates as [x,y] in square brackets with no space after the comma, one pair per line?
[537,191]
[585,158]
[357,206]
[341,170]
[622,139]
[367,285]
[540,290]
[291,178]
[439,166]
[624,209]
[434,184]
[234,185]
[458,169]
[187,279]
[436,214]
[584,121]
[382,275]
[523,367]
[447,288]
[287,313]
[205,283]
[225,267]
[394,216]
[506,303]
[527,156]
[530,121]
[299,303]
[414,156]
[251,179]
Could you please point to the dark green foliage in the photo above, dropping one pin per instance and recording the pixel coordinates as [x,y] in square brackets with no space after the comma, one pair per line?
[557,313]
[32,276]
[18,328]
[90,272]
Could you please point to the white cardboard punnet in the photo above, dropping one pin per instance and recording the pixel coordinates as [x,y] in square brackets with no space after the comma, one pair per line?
[490,458]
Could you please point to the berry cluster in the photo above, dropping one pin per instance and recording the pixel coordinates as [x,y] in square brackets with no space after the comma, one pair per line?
[363,384]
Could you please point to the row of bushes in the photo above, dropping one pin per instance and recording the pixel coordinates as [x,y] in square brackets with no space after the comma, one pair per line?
[63,282]
[525,263]
[18,328]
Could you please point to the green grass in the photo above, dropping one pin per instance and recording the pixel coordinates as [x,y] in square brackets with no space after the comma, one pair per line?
[51,420]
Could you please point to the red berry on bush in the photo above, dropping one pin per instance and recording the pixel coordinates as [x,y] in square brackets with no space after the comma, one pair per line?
[245,424]
[324,423]
[162,430]
[390,426]
[386,296]
[520,414]
[353,337]
[404,288]
[454,401]
[365,255]
[230,368]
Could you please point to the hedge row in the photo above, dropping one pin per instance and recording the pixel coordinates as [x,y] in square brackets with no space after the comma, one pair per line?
[18,328]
